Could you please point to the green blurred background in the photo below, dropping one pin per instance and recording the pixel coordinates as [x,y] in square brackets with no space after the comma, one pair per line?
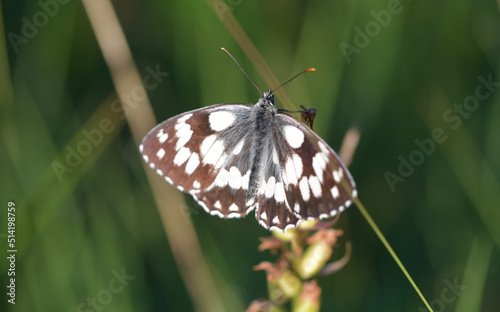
[415,69]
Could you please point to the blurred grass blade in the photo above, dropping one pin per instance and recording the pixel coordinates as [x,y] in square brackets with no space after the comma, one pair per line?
[476,175]
[384,241]
[229,21]
[181,235]
[475,276]
[8,128]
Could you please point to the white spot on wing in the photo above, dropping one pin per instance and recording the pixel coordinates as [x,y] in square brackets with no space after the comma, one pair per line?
[234,207]
[319,165]
[279,193]
[262,187]
[146,158]
[245,180]
[161,153]
[216,213]
[222,178]
[193,163]
[186,136]
[221,120]
[336,176]
[181,129]
[234,178]
[304,188]
[234,215]
[270,187]
[158,171]
[293,136]
[315,186]
[323,147]
[296,207]
[348,203]
[263,216]
[238,147]
[214,153]
[217,205]
[263,224]
[335,192]
[163,137]
[221,161]
[202,204]
[141,148]
[275,156]
[290,172]
[354,193]
[196,184]
[184,118]
[276,220]
[181,156]
[207,144]
[297,162]
[250,202]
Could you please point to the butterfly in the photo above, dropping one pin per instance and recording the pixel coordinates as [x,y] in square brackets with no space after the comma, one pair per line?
[235,158]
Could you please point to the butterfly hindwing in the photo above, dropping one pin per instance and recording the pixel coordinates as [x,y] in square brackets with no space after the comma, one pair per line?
[272,210]
[226,197]
[188,150]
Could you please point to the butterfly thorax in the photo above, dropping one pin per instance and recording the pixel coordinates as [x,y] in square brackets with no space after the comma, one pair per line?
[264,120]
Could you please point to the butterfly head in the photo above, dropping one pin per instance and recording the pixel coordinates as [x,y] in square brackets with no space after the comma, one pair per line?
[268,98]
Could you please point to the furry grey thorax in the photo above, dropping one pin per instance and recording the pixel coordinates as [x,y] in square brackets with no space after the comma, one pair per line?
[263,115]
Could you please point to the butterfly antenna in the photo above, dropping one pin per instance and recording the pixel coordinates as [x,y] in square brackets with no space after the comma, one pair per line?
[242,69]
[302,72]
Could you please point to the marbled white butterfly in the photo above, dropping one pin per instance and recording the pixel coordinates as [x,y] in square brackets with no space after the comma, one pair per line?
[233,158]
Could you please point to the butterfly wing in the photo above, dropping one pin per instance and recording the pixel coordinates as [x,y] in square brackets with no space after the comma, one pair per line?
[272,210]
[301,177]
[200,152]
[312,173]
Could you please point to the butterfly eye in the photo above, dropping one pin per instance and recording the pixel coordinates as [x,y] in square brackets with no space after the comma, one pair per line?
[271,98]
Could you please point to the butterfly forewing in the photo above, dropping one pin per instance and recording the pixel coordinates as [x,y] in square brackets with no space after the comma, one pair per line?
[312,173]
[190,149]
